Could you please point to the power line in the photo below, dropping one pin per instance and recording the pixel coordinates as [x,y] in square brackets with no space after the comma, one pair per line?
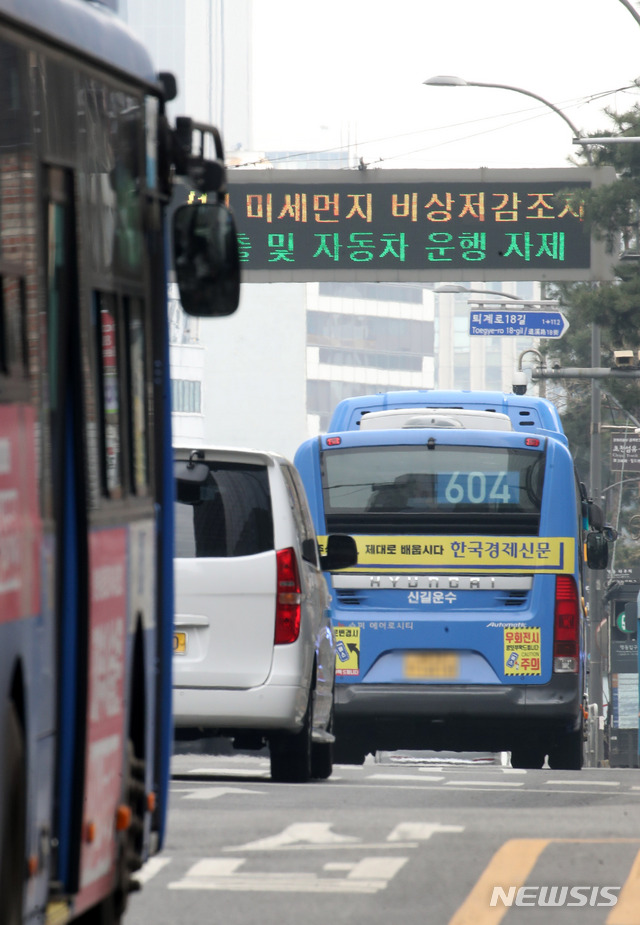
[534,113]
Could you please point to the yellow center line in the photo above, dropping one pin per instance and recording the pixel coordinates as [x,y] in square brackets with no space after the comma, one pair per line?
[627,909]
[510,866]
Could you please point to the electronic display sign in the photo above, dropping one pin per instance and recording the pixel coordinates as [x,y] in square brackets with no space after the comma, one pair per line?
[413,225]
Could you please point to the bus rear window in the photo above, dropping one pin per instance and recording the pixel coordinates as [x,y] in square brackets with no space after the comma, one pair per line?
[446,490]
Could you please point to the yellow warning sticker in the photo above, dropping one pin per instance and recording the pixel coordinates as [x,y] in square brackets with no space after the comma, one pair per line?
[347,650]
[522,655]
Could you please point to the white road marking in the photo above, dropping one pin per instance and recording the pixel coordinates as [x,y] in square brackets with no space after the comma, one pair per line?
[314,833]
[152,867]
[211,793]
[370,875]
[215,867]
[382,869]
[484,783]
[581,783]
[424,777]
[233,772]
[420,831]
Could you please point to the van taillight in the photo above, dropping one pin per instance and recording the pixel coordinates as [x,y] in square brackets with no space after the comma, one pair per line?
[566,628]
[288,597]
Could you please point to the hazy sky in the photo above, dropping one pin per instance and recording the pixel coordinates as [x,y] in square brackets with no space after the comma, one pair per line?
[340,72]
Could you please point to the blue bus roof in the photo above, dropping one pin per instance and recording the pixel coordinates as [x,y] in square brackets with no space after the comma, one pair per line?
[443,437]
[526,413]
[91,30]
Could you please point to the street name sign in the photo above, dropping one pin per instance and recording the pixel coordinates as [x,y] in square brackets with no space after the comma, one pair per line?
[625,452]
[518,324]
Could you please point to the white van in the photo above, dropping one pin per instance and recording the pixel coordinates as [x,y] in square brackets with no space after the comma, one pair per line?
[254,657]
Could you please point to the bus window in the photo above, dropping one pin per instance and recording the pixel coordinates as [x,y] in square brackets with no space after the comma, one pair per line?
[390,488]
[13,339]
[108,353]
[137,378]
[125,178]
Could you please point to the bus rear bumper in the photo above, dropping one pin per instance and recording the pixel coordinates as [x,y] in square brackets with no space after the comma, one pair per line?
[472,717]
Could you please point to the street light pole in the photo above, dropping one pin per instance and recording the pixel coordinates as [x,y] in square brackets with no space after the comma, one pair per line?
[595,476]
[444,81]
[454,287]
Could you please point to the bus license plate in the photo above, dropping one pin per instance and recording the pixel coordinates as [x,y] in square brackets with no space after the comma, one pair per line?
[431,665]
[179,643]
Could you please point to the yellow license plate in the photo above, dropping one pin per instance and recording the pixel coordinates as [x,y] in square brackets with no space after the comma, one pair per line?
[179,643]
[431,665]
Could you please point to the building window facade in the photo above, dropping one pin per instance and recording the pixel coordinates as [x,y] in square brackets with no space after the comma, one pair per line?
[186,396]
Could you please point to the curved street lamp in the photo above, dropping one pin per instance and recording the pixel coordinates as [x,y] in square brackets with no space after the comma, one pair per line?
[447,81]
[454,287]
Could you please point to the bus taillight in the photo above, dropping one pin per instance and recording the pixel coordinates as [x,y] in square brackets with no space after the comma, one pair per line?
[288,597]
[566,630]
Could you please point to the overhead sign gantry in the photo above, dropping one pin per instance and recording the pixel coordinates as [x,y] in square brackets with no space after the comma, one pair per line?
[414,225]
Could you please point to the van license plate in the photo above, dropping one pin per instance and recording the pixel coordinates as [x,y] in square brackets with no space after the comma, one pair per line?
[179,643]
[431,665]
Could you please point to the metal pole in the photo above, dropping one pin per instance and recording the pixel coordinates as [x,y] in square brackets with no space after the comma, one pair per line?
[594,685]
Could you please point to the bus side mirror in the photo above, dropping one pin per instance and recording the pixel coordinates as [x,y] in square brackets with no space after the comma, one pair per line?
[342,552]
[206,259]
[597,551]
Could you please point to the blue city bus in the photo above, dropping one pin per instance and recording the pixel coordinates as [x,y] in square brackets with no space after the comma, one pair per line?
[463,624]
[87,158]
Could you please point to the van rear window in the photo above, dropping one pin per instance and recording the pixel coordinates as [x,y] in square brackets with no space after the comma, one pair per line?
[226,514]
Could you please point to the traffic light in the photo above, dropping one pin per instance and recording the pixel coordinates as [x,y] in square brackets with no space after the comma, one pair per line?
[625,617]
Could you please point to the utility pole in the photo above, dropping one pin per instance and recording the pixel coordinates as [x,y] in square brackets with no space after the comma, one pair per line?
[595,590]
